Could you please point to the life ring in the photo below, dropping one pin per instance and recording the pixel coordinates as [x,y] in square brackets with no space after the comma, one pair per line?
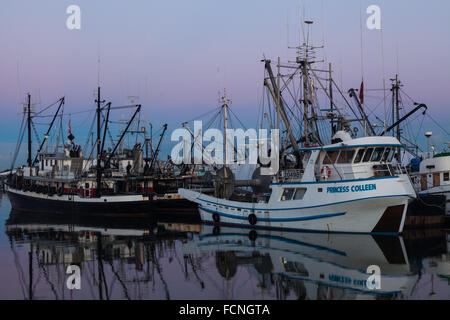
[252,219]
[325,172]
[60,191]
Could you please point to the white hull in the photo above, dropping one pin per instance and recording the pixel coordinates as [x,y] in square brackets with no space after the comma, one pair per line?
[381,209]
[358,217]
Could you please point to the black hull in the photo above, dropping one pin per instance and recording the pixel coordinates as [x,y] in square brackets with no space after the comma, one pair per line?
[426,211]
[26,203]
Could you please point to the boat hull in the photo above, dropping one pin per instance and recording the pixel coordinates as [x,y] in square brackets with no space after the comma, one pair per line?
[364,216]
[379,206]
[109,205]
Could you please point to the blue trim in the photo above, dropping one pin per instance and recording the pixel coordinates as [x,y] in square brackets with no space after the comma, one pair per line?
[343,286]
[354,146]
[278,238]
[248,226]
[300,208]
[232,216]
[340,181]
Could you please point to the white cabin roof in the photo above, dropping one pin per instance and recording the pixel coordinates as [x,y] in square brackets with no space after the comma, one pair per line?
[435,164]
[373,141]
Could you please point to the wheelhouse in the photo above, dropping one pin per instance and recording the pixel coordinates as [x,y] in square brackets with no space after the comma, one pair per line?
[361,158]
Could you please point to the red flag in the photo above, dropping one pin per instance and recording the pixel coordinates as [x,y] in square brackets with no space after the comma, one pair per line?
[361,93]
[70,131]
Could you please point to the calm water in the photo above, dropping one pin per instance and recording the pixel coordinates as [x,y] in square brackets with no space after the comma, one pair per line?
[168,258]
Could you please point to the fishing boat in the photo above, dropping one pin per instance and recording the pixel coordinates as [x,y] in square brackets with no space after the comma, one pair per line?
[118,181]
[349,186]
[431,176]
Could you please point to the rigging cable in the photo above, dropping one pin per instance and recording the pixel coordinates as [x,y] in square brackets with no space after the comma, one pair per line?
[19,142]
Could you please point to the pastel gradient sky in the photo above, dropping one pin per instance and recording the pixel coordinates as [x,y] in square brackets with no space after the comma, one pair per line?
[169,52]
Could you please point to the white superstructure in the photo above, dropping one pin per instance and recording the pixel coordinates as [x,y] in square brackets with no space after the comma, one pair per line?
[434,177]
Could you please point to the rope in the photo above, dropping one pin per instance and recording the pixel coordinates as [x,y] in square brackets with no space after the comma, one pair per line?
[19,142]
[46,108]
[35,132]
[438,125]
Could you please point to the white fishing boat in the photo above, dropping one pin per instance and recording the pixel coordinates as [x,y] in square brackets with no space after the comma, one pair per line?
[431,176]
[349,186]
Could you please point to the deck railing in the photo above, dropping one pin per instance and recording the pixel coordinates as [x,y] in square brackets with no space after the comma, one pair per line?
[379,170]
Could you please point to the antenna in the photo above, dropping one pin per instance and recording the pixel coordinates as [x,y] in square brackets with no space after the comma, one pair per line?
[323,33]
[218,84]
[133,99]
[98,65]
[428,135]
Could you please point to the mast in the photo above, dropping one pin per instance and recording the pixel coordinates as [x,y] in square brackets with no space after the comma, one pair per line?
[48,131]
[273,89]
[225,124]
[278,95]
[155,154]
[305,95]
[99,169]
[29,131]
[331,100]
[397,105]
[396,115]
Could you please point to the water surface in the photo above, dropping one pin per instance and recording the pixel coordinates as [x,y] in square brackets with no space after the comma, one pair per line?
[173,257]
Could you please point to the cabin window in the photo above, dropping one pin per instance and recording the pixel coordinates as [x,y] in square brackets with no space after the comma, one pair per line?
[387,155]
[377,154]
[359,155]
[446,176]
[287,194]
[330,157]
[346,156]
[368,155]
[299,193]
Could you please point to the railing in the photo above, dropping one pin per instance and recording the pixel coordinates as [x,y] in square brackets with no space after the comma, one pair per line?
[379,170]
[401,169]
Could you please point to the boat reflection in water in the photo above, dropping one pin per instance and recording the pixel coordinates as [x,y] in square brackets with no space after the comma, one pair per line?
[315,265]
[169,257]
[119,258]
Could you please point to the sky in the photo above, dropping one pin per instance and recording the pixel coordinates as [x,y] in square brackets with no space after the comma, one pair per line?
[175,55]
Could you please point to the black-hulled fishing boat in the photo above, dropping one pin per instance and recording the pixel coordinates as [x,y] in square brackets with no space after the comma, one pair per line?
[117,182]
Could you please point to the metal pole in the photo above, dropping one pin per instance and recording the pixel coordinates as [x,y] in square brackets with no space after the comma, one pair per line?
[331,101]
[29,132]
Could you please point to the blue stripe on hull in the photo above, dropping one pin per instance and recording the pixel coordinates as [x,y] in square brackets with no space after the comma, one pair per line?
[248,226]
[232,216]
[300,208]
[337,181]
